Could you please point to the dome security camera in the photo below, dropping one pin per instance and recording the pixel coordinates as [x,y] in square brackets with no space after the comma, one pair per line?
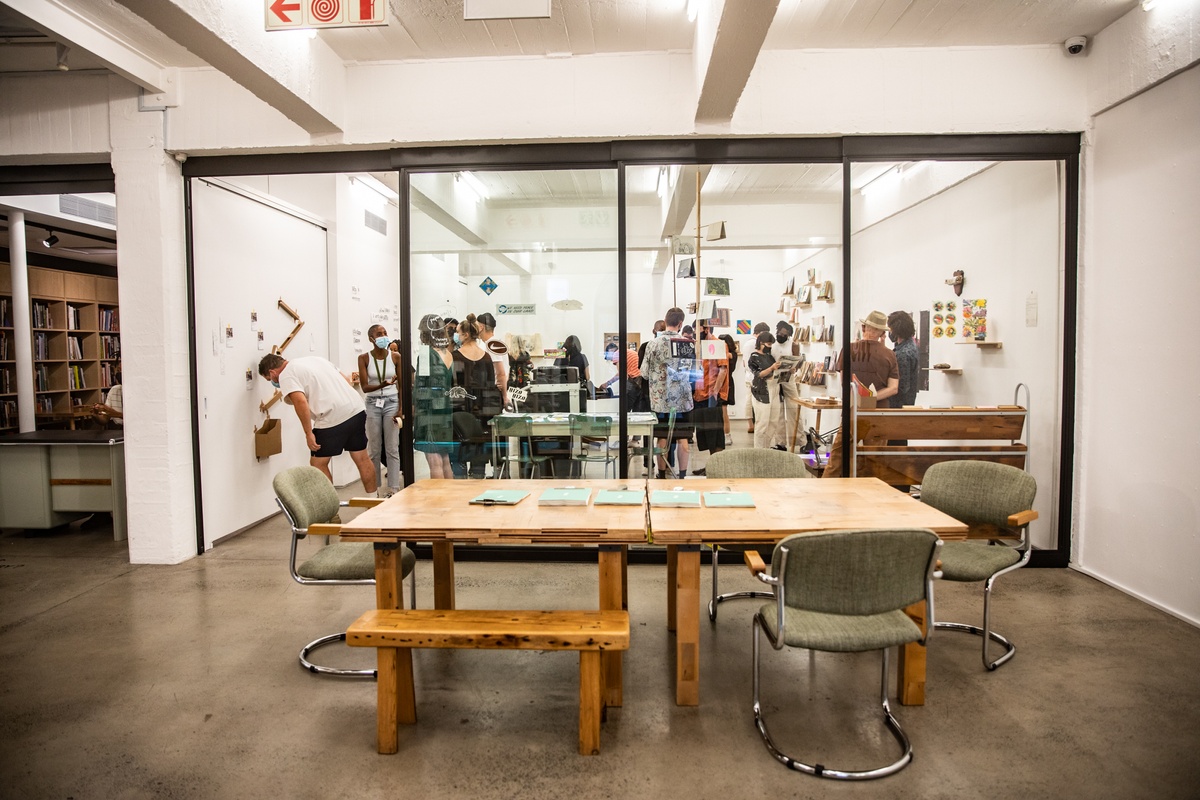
[1075,45]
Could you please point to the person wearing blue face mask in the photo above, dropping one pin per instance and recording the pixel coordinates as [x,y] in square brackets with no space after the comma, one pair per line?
[377,371]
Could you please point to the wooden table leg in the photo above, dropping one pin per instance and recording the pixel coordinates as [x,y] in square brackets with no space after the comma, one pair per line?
[910,669]
[388,576]
[672,560]
[612,593]
[443,575]
[687,631]
[591,702]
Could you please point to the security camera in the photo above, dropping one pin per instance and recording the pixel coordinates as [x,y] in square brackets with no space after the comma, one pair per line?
[1075,45]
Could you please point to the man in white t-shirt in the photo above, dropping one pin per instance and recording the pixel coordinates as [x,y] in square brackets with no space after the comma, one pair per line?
[329,408]
[789,395]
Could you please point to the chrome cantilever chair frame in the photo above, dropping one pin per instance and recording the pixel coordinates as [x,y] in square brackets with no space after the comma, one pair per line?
[785,463]
[1018,520]
[333,638]
[778,643]
[584,427]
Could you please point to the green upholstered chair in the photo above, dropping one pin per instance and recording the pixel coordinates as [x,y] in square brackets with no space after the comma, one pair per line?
[307,498]
[519,427]
[587,430]
[996,501]
[746,463]
[844,592]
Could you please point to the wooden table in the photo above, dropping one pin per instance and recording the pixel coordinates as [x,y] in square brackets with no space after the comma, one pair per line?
[782,507]
[439,511]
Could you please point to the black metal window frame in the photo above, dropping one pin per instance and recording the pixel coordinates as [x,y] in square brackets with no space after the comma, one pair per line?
[619,155]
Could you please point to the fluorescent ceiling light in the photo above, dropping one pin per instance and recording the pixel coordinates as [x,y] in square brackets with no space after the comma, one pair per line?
[506,9]
[474,184]
[377,185]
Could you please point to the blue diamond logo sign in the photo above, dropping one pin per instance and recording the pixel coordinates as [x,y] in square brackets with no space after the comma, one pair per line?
[488,285]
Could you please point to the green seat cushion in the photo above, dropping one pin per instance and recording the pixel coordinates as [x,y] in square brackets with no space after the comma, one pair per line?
[975,561]
[839,633]
[349,561]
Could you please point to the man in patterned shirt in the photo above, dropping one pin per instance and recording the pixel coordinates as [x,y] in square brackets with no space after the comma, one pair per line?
[670,391]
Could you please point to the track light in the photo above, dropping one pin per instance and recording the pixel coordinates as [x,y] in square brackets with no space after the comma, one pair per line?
[61,50]
[50,240]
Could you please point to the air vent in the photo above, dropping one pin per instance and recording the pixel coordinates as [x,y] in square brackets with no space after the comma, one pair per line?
[87,209]
[375,223]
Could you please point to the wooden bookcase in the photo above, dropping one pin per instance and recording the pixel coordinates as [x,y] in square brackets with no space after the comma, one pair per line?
[8,372]
[76,344]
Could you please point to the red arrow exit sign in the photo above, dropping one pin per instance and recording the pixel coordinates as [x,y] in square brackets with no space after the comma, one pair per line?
[292,14]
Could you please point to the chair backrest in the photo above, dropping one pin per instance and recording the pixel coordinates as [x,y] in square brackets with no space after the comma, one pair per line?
[978,492]
[754,463]
[588,425]
[306,495]
[512,425]
[856,572]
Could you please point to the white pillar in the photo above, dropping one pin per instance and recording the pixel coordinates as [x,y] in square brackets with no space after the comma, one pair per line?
[152,284]
[22,324]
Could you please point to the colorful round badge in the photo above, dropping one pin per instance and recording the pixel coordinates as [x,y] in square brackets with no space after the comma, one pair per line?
[938,305]
[951,319]
[950,331]
[938,319]
[938,332]
[951,305]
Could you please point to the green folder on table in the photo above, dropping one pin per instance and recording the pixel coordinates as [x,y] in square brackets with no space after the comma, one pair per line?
[728,500]
[499,497]
[619,497]
[567,496]
[666,498]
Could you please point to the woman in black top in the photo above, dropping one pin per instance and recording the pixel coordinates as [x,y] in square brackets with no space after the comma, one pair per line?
[574,357]
[475,398]
[731,354]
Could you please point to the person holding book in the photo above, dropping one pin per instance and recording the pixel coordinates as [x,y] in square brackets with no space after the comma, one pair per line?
[874,369]
[111,413]
[670,393]
[764,390]
[789,394]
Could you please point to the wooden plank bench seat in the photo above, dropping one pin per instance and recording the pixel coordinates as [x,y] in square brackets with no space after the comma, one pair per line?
[935,435]
[397,632]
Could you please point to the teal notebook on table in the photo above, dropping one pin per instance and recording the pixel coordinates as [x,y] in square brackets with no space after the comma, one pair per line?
[499,497]
[667,498]
[567,496]
[728,500]
[619,497]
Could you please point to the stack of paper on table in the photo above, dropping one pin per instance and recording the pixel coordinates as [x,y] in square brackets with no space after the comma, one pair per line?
[665,498]
[566,496]
[619,497]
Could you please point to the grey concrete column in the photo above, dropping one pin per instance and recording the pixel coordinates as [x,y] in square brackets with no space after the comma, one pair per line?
[152,281]
[22,323]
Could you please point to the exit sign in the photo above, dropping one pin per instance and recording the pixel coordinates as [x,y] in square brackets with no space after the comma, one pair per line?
[292,14]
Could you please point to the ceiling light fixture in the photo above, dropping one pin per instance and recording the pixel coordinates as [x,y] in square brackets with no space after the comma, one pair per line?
[474,184]
[61,50]
[50,240]
[1148,4]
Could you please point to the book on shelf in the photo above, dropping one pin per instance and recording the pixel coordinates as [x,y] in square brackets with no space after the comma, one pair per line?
[566,496]
[619,497]
[674,498]
[826,292]
[499,497]
[728,500]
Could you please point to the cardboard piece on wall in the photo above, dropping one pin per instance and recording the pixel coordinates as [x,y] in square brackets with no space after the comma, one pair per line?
[267,439]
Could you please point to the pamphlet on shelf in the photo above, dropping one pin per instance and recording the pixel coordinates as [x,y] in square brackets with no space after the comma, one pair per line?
[499,497]
[667,498]
[619,497]
[566,496]
[728,500]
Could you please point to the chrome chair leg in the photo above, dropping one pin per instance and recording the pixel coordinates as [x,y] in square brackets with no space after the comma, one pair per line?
[333,672]
[718,598]
[820,770]
[986,632]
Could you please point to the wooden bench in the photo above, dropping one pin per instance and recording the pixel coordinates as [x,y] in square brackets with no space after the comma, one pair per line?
[990,434]
[396,632]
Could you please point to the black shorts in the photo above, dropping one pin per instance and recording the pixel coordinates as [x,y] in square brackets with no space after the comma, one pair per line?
[681,430]
[350,435]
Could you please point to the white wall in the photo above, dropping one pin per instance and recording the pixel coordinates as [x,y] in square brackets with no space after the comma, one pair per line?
[1001,228]
[1139,503]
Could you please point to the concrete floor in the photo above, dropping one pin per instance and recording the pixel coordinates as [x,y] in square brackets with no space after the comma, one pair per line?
[152,681]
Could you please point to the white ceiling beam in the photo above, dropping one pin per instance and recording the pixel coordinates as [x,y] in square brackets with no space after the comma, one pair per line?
[740,33]
[67,26]
[303,79]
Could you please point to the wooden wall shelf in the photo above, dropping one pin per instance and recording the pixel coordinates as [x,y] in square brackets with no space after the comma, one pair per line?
[985,345]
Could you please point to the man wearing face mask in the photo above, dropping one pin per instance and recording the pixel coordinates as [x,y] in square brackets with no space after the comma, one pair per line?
[789,395]
[330,411]
[377,371]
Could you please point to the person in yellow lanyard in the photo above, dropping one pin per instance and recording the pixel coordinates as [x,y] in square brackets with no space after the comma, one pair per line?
[377,371]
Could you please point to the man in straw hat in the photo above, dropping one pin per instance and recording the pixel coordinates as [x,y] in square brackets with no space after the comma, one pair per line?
[874,367]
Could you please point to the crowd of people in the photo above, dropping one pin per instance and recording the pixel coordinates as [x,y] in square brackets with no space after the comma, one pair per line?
[463,376]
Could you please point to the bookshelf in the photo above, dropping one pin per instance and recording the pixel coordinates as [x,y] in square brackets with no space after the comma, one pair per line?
[8,376]
[76,345]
